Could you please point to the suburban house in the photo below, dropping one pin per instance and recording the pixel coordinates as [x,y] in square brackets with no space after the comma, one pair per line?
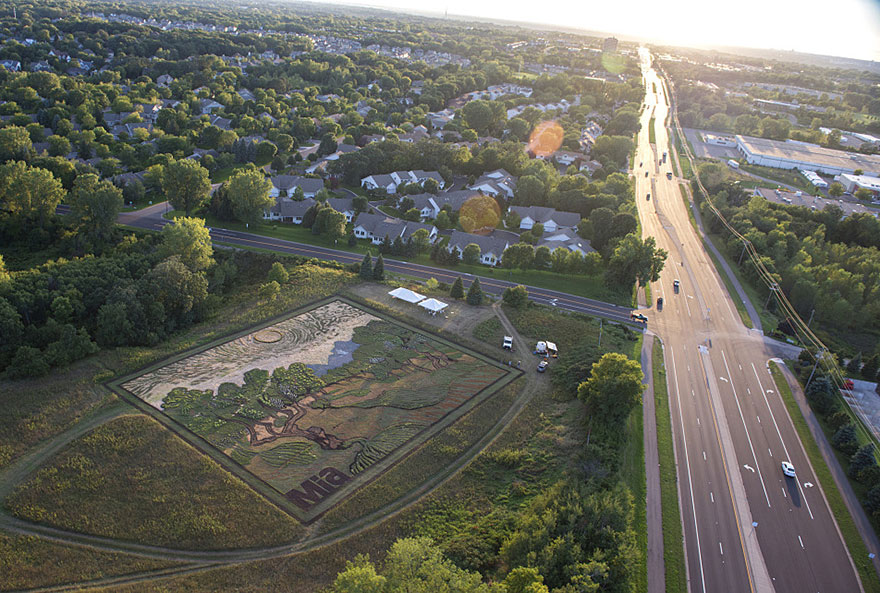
[566,238]
[495,183]
[589,135]
[376,227]
[164,80]
[287,210]
[491,246]
[343,205]
[284,186]
[209,105]
[246,95]
[590,166]
[430,205]
[391,181]
[419,133]
[438,119]
[549,217]
[566,157]
[385,182]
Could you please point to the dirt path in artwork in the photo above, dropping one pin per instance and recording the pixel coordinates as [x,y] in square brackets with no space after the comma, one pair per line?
[197,561]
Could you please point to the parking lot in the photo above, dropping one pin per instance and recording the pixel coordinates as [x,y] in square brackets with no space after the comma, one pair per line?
[813,202]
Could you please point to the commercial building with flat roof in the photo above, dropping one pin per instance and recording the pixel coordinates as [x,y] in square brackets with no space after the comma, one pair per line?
[801,155]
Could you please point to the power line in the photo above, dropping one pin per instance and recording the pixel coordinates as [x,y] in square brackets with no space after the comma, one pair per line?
[814,346]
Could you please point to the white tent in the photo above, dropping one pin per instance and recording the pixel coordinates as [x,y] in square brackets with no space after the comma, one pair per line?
[407,295]
[433,305]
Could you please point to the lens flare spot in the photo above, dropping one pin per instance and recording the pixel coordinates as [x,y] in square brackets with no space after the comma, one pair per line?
[479,213]
[546,139]
[613,62]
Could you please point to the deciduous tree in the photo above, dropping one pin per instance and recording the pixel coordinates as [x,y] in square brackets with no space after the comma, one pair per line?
[248,192]
[186,184]
[189,240]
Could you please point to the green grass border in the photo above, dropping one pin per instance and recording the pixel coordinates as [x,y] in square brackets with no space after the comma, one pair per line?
[851,537]
[255,482]
[673,540]
[652,134]
[632,472]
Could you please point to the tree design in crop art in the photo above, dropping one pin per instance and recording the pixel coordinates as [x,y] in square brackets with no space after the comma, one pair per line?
[316,404]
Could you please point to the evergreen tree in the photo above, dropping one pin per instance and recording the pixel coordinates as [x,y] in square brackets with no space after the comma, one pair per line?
[366,272]
[379,270]
[854,366]
[352,240]
[457,290]
[845,440]
[869,369]
[862,460]
[475,293]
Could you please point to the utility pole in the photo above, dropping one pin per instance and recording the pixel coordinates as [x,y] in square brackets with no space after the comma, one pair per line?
[818,357]
[599,345]
[813,312]
[773,288]
[742,254]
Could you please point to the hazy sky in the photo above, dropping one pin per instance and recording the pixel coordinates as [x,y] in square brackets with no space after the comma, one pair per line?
[848,28]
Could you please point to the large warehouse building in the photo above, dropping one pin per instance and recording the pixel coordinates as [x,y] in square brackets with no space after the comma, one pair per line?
[800,155]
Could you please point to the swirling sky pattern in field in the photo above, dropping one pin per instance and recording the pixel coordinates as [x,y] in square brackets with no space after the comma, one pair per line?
[309,338]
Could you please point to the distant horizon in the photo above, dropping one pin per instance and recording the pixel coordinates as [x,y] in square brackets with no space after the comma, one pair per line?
[852,31]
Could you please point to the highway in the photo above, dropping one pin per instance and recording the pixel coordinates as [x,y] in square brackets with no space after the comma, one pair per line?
[747,527]
[151,218]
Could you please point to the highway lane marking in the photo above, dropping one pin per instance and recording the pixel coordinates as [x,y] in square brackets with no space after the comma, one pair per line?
[783,492]
[749,438]
[721,548]
[726,473]
[688,464]
[712,497]
[769,451]
[784,448]
[704,456]
[802,543]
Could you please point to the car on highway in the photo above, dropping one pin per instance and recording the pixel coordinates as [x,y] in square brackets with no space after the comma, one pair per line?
[648,197]
[788,469]
[660,303]
[638,317]
[542,366]
[646,173]
[669,175]
[676,285]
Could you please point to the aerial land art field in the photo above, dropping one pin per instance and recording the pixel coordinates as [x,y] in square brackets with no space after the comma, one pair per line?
[318,403]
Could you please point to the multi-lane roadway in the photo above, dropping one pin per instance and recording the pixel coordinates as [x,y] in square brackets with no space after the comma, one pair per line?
[747,526]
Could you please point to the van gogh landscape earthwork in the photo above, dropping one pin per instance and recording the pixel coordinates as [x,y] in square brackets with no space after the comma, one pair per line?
[313,405]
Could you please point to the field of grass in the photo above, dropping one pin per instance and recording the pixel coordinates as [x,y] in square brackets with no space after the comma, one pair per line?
[29,562]
[792,178]
[857,549]
[673,542]
[568,329]
[133,479]
[36,409]
[652,134]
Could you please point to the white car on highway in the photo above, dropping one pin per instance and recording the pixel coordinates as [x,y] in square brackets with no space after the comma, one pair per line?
[788,469]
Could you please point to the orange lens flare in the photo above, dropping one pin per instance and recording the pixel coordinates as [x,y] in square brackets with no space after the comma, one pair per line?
[546,139]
